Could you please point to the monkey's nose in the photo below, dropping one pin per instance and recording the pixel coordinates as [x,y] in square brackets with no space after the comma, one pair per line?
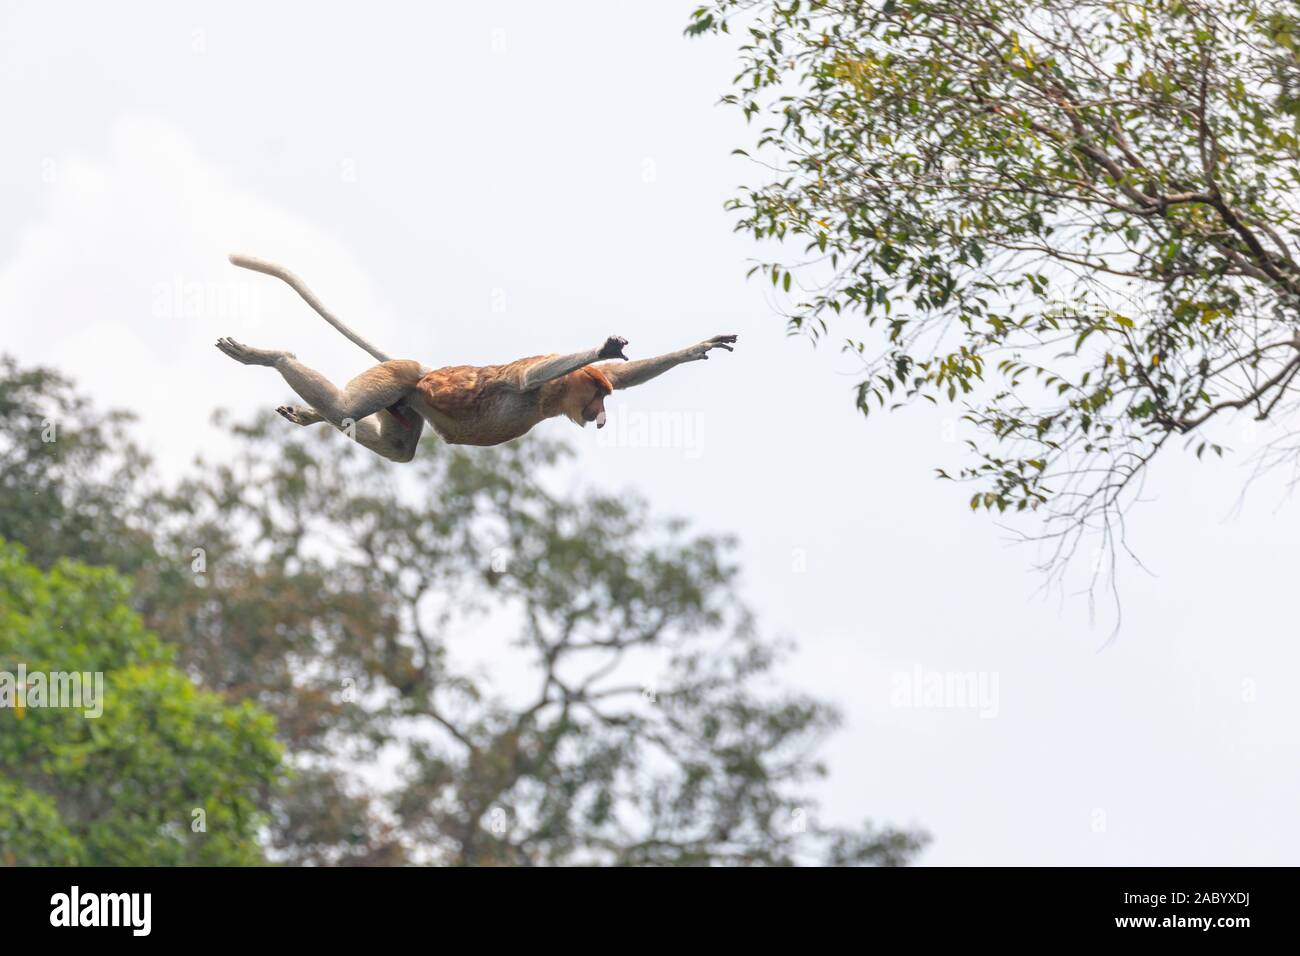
[600,419]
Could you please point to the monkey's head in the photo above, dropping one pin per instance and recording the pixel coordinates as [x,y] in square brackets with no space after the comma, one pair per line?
[584,396]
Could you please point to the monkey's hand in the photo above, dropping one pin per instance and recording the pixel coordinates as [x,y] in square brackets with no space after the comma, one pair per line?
[701,351]
[613,348]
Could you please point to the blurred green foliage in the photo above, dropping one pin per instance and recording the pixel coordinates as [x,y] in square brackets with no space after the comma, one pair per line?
[629,712]
[122,787]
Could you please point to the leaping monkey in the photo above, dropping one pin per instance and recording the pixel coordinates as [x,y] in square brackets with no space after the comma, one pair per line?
[385,407]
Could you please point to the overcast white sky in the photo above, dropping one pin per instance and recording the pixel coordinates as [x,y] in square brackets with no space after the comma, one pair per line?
[469,183]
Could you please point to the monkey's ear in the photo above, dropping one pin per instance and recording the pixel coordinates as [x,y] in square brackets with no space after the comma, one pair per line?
[598,375]
[609,371]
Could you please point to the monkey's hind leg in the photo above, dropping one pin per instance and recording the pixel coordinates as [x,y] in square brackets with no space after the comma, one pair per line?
[391,434]
[374,389]
[387,435]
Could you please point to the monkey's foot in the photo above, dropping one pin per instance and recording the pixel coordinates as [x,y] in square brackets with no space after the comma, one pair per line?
[613,348]
[247,355]
[299,416]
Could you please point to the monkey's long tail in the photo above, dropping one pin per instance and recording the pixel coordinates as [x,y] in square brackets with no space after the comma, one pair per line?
[280,272]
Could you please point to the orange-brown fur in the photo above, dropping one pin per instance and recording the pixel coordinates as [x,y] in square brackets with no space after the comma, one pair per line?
[481,405]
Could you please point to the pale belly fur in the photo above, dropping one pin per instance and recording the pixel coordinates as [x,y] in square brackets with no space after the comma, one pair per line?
[490,423]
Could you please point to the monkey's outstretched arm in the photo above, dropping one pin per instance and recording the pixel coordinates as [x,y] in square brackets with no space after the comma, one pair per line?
[280,272]
[627,374]
[555,366]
